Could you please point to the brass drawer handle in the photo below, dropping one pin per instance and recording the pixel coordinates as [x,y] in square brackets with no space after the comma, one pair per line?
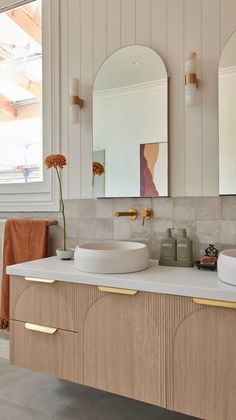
[38,280]
[219,303]
[40,328]
[117,290]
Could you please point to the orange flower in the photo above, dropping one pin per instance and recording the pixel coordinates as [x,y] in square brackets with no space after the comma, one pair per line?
[55,161]
[58,162]
[98,168]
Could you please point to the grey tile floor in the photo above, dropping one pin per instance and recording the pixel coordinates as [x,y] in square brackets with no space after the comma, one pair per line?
[26,395]
[4,345]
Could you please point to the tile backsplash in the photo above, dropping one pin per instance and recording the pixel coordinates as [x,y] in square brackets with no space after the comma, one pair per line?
[206,219]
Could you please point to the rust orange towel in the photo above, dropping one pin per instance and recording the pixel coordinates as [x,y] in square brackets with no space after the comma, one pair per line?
[24,240]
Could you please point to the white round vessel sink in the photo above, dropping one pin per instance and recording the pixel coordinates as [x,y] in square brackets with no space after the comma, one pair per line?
[114,257]
[227,266]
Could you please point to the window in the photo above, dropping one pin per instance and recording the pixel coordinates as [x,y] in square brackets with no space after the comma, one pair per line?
[29,103]
[21,94]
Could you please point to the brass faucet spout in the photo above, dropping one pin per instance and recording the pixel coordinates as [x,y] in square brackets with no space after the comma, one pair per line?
[124,213]
[132,214]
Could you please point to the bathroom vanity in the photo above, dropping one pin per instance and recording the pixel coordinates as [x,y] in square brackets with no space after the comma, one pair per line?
[165,335]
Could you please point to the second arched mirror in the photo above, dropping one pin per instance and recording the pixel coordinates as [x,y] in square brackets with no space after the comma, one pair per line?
[130,125]
[227,118]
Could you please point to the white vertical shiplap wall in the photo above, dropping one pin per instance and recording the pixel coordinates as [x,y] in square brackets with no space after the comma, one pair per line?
[93,29]
[175,62]
[193,117]
[210,61]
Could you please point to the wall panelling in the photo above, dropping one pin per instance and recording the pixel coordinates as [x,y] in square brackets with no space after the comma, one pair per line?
[93,29]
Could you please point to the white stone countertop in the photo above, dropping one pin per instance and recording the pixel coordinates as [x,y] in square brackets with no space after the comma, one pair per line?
[167,280]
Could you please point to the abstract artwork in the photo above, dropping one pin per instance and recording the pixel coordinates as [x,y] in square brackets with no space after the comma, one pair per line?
[153,169]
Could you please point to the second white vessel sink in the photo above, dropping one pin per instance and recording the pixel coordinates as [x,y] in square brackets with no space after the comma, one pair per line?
[114,257]
[227,266]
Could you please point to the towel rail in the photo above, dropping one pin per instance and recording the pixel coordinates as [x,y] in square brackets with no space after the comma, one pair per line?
[49,223]
[52,223]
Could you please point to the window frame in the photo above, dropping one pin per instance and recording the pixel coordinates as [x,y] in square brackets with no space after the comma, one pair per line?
[42,196]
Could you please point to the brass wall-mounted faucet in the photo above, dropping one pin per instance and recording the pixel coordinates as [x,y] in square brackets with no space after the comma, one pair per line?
[146,214]
[132,214]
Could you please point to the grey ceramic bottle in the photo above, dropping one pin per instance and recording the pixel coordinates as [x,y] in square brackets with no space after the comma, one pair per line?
[184,247]
[168,247]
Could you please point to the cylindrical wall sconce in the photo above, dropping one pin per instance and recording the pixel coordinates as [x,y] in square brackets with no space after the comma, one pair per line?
[75,101]
[191,81]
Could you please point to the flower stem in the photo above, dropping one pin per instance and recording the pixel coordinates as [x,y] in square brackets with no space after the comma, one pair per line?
[62,210]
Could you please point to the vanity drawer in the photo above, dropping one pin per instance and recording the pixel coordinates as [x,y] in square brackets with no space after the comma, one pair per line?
[47,352]
[43,303]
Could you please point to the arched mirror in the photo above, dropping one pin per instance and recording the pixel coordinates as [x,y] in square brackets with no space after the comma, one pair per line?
[130,129]
[227,118]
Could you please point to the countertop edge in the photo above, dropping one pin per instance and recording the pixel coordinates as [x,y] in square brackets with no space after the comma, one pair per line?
[216,291]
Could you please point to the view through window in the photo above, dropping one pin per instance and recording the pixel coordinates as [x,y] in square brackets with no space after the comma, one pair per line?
[21,94]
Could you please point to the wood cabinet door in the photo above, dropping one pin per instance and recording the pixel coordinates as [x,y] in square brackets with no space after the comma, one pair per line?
[53,354]
[204,364]
[41,303]
[123,350]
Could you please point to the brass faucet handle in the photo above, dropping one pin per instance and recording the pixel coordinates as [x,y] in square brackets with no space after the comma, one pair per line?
[132,214]
[146,214]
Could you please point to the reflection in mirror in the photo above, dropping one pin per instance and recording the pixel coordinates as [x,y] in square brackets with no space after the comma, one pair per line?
[130,135]
[227,118]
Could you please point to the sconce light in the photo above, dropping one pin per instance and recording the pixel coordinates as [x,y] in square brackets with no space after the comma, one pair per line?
[191,81]
[75,101]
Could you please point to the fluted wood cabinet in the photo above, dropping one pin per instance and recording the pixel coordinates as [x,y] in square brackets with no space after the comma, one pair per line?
[162,349]
[204,365]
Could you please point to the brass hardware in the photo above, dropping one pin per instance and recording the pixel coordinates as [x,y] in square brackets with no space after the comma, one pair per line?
[52,223]
[38,280]
[191,78]
[40,328]
[219,303]
[76,100]
[132,214]
[117,290]
[146,214]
